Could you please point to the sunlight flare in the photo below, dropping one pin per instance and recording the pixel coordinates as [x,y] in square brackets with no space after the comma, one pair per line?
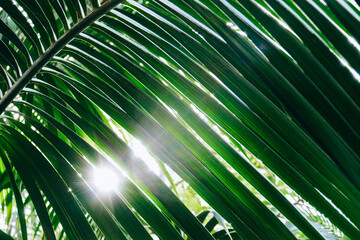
[105,179]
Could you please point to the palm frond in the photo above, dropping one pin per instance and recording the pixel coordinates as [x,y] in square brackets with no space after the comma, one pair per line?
[205,86]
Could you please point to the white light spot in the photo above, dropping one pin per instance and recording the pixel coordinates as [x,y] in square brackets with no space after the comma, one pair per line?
[141,152]
[243,33]
[16,116]
[27,212]
[163,60]
[354,42]
[165,83]
[105,179]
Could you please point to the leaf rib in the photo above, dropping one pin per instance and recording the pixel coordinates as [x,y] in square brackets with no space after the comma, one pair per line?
[53,50]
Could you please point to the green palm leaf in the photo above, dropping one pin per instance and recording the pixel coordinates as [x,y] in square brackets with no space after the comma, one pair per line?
[250,104]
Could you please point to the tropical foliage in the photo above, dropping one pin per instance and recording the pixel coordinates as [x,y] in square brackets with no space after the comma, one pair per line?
[249,110]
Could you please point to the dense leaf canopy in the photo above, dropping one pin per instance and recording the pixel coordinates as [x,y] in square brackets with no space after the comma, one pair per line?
[248,109]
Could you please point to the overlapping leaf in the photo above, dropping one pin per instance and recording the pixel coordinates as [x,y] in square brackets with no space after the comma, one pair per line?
[278,78]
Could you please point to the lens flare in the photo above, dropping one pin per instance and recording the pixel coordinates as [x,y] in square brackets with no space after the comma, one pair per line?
[105,179]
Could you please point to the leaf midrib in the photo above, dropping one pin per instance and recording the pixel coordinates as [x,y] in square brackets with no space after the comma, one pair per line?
[53,50]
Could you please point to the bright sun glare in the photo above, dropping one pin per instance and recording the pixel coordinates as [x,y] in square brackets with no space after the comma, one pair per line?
[105,179]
